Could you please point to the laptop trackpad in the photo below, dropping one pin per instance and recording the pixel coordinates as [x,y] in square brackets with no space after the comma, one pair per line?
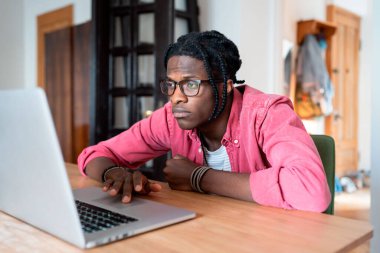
[115,202]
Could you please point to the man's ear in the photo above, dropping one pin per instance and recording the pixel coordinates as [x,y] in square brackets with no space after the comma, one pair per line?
[230,86]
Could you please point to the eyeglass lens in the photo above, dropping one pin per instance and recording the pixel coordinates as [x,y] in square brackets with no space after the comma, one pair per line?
[188,87]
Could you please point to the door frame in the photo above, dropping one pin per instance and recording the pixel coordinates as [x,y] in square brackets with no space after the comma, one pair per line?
[49,22]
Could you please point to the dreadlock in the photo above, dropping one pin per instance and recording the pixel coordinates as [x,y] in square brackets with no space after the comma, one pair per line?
[220,56]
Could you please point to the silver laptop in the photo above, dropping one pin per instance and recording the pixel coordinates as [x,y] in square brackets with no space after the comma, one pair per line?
[35,188]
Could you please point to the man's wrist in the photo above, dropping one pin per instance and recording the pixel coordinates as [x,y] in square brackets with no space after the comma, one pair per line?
[110,169]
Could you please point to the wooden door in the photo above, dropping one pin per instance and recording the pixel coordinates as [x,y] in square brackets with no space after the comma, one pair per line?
[64,73]
[81,86]
[343,59]
[59,88]
[67,82]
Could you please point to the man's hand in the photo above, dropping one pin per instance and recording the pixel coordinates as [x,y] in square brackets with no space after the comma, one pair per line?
[126,183]
[178,171]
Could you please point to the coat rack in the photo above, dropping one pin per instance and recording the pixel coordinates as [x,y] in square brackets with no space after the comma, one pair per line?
[314,27]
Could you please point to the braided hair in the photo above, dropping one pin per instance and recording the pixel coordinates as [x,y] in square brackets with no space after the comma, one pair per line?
[220,56]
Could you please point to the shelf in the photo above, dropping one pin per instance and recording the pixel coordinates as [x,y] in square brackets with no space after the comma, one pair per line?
[314,27]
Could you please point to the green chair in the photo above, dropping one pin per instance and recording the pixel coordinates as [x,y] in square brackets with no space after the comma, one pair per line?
[326,149]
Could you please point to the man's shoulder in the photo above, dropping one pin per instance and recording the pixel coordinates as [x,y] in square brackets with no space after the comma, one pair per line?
[257,98]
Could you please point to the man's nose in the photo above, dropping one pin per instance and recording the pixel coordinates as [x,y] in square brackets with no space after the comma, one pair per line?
[178,96]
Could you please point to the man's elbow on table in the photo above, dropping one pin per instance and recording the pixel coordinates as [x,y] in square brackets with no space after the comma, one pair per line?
[296,194]
[315,199]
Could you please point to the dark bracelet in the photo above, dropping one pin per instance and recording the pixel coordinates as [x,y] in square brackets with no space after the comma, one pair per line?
[106,171]
[196,177]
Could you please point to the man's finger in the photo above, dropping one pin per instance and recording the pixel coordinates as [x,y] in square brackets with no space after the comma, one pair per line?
[137,181]
[107,184]
[115,188]
[154,187]
[127,189]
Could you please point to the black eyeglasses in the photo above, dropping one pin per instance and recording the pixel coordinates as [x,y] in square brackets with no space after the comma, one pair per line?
[189,88]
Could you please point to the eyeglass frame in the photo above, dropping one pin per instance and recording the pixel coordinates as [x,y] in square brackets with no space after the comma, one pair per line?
[180,84]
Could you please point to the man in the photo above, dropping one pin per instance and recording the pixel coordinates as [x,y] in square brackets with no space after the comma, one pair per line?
[231,141]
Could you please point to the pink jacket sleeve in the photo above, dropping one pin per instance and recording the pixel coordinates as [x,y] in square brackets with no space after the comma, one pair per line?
[145,140]
[296,178]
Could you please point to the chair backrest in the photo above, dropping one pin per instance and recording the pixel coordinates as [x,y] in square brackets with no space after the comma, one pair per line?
[326,149]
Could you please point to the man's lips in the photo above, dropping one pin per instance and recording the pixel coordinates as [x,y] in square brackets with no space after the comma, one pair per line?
[180,113]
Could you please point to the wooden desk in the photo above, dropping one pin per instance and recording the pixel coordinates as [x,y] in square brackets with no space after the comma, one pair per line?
[221,225]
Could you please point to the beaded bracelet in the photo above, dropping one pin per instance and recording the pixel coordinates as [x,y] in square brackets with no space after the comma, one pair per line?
[196,177]
[106,171]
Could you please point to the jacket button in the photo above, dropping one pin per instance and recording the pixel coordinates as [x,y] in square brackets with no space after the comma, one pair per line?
[200,150]
[236,141]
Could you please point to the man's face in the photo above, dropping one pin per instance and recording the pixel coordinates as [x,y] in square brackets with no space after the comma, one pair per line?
[190,112]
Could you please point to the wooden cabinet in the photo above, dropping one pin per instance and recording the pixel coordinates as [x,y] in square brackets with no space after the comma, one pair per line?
[130,39]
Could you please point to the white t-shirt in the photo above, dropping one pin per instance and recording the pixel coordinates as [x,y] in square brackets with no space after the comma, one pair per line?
[218,159]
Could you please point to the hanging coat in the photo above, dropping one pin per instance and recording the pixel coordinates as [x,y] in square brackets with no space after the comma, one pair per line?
[312,74]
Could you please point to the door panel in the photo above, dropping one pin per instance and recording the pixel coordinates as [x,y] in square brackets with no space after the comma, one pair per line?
[58,86]
[67,86]
[342,125]
[81,87]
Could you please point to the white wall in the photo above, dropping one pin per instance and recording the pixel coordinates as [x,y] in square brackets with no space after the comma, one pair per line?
[365,110]
[358,7]
[297,10]
[11,44]
[251,25]
[259,50]
[33,8]
[215,16]
[375,139]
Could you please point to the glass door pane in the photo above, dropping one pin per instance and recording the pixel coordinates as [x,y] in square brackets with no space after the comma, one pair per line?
[146,70]
[146,1]
[121,112]
[146,28]
[180,5]
[121,67]
[121,31]
[181,27]
[145,107]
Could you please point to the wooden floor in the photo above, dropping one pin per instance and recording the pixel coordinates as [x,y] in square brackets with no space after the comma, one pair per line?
[356,206]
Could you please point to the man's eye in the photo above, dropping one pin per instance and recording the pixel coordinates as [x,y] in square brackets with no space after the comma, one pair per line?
[192,85]
[170,84]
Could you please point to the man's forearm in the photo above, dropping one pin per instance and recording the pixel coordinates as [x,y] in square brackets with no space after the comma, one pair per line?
[234,185]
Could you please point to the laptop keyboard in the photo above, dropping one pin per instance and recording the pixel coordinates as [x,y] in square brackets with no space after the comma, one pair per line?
[94,218]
